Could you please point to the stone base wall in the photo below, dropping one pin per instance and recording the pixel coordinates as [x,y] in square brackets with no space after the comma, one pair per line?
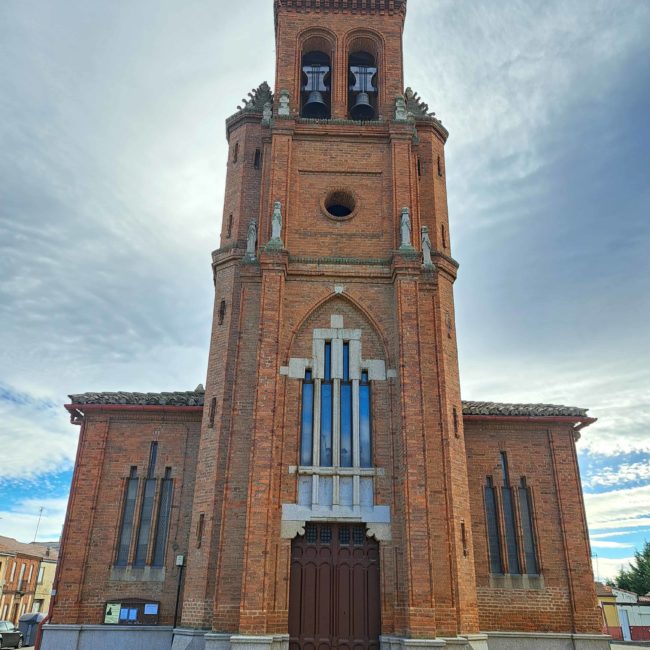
[502,641]
[104,637]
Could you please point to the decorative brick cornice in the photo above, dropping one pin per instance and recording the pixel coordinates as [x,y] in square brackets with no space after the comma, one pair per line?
[350,6]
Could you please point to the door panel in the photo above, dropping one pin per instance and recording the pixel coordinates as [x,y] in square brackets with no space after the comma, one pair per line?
[334,589]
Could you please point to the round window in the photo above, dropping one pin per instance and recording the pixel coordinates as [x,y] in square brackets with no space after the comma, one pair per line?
[340,204]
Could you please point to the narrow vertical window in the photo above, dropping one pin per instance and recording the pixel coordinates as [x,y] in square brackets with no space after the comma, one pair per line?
[229,231]
[222,312]
[365,421]
[127,518]
[443,235]
[494,542]
[326,404]
[456,433]
[146,511]
[509,519]
[307,421]
[257,162]
[526,511]
[164,515]
[235,152]
[199,530]
[346,410]
[463,536]
[419,167]
[440,169]
[212,412]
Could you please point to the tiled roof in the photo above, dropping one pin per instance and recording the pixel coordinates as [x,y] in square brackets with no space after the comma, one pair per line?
[187,398]
[10,545]
[526,410]
[196,398]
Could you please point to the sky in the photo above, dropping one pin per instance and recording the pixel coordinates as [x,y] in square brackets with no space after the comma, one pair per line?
[112,170]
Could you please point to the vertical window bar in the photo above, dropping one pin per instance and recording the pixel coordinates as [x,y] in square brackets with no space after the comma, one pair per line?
[494,545]
[307,423]
[365,421]
[127,518]
[346,410]
[326,407]
[164,515]
[526,512]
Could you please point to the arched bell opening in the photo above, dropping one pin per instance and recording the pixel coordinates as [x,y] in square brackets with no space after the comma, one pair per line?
[362,86]
[316,96]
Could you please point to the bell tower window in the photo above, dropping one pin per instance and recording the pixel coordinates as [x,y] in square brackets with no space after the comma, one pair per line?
[362,96]
[316,86]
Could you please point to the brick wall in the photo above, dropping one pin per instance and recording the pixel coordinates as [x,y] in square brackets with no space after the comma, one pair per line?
[545,455]
[110,444]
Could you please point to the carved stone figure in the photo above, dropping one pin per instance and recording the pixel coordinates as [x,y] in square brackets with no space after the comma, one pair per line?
[401,114]
[267,114]
[251,240]
[276,223]
[405,228]
[284,108]
[426,248]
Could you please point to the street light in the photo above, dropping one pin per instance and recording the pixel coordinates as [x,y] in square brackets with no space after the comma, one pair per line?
[180,563]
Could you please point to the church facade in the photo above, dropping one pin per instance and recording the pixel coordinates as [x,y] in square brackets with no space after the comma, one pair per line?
[328,488]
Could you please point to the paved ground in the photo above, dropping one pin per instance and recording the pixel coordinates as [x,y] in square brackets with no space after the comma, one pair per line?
[628,646]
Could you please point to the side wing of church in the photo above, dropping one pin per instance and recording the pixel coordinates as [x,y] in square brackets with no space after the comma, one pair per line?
[328,488]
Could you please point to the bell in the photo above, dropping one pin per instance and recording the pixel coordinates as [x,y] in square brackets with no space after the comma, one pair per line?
[315,107]
[362,109]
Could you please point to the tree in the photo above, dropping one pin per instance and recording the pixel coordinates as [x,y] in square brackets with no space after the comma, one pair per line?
[637,577]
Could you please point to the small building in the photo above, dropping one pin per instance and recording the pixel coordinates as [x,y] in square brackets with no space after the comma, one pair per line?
[607,604]
[26,578]
[634,615]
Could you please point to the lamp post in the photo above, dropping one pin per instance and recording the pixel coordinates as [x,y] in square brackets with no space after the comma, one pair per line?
[180,563]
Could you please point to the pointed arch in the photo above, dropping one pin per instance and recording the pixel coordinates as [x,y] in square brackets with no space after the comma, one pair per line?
[358,306]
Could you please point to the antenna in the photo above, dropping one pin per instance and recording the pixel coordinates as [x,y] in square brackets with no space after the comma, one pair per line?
[40,514]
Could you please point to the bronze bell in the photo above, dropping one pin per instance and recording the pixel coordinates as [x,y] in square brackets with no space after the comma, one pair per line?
[315,107]
[362,109]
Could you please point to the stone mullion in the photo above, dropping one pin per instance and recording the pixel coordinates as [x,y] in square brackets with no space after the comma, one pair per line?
[356,443]
[316,449]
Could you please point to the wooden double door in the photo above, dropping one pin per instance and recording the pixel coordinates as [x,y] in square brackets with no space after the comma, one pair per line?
[334,599]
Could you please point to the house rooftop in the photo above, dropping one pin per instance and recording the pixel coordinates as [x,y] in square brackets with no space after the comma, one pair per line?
[196,398]
[13,546]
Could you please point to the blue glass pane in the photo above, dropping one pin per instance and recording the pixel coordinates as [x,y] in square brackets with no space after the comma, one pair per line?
[328,360]
[346,425]
[346,362]
[307,428]
[493,530]
[511,534]
[326,425]
[365,442]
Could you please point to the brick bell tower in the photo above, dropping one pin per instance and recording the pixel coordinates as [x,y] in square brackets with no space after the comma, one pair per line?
[331,505]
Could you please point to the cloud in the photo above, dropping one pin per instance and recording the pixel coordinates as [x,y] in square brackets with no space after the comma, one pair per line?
[608,568]
[596,543]
[618,509]
[35,436]
[618,474]
[21,520]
